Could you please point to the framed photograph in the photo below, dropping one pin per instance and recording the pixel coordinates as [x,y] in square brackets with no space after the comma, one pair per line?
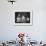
[23,18]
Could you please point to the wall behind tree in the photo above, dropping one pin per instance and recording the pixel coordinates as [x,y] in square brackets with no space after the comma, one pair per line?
[8,30]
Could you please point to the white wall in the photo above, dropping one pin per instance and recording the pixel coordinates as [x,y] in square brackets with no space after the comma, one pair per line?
[9,31]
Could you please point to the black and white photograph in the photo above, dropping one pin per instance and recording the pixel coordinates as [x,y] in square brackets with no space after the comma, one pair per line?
[23,18]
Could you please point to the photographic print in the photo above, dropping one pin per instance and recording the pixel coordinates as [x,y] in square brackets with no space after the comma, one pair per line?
[23,18]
